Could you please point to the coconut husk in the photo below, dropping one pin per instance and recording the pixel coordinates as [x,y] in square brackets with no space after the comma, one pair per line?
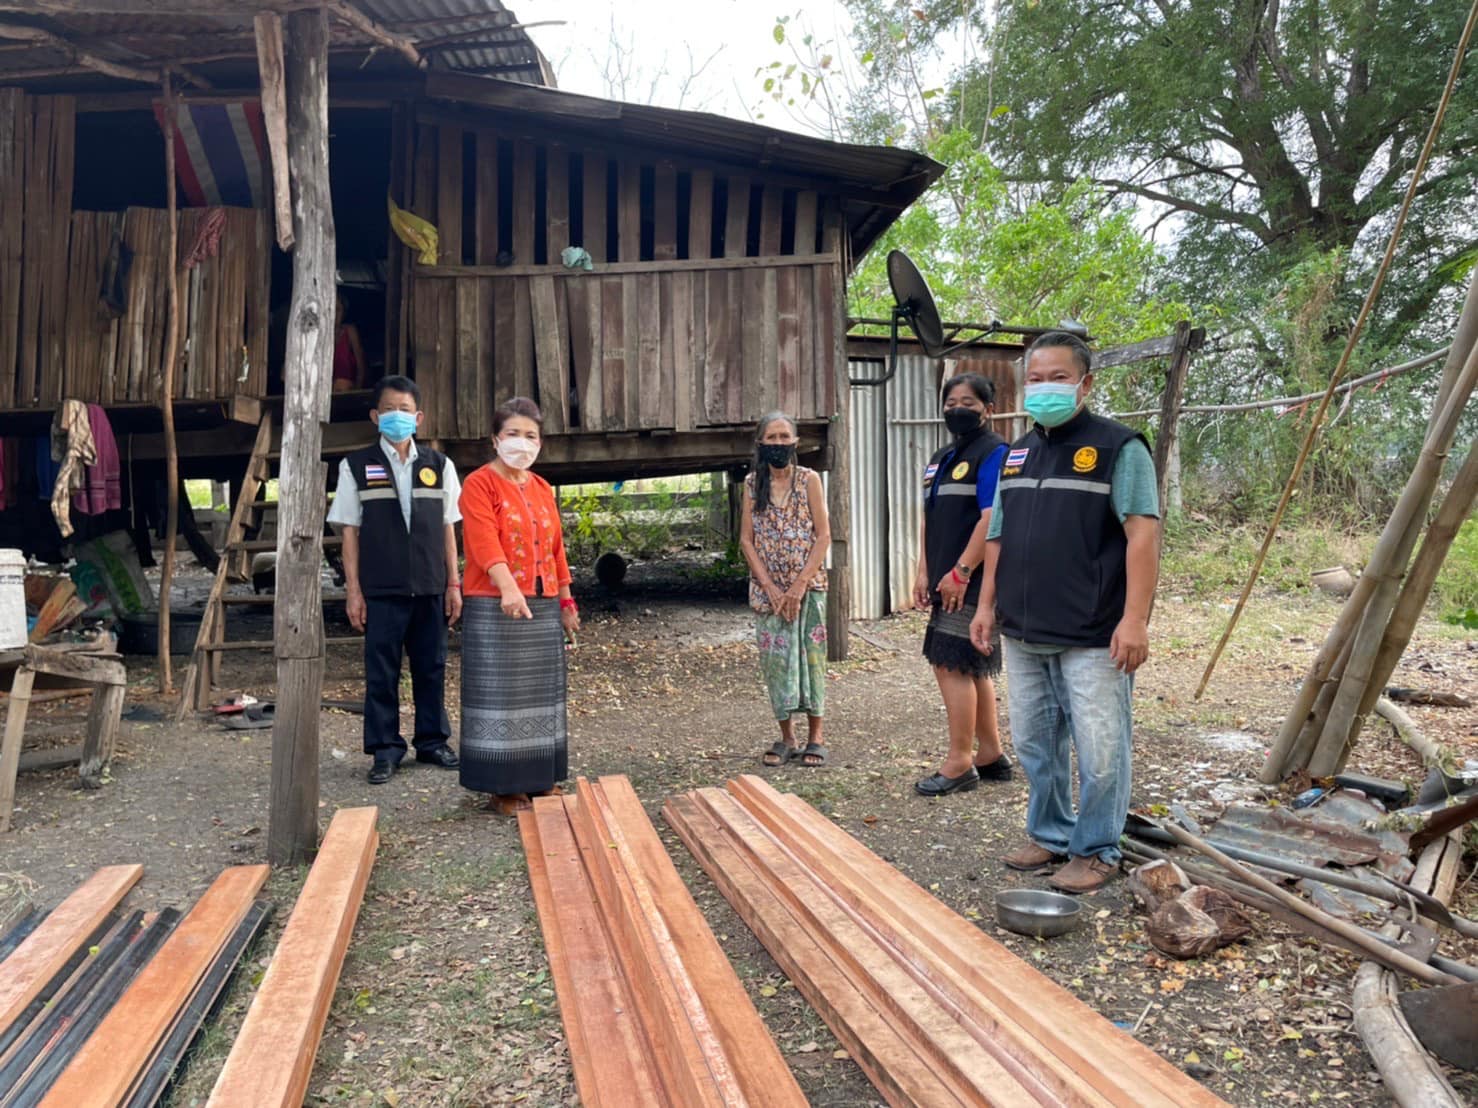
[1157,883]
[1196,923]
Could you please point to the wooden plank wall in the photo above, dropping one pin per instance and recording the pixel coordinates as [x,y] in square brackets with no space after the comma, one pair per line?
[693,317]
[112,359]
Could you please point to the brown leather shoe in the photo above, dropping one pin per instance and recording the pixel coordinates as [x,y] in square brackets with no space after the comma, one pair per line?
[1083,875]
[1031,858]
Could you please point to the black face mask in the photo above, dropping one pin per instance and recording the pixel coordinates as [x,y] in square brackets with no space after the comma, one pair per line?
[777,454]
[961,421]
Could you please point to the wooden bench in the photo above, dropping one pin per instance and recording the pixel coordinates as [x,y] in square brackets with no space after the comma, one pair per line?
[81,666]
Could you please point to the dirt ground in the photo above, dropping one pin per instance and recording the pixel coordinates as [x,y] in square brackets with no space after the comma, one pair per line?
[446,997]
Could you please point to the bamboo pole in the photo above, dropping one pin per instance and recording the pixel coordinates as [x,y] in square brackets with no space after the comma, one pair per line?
[1344,359]
[166,401]
[1397,542]
[1455,508]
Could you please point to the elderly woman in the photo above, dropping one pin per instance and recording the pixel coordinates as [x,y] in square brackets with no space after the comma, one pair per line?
[784,534]
[517,611]
[959,484]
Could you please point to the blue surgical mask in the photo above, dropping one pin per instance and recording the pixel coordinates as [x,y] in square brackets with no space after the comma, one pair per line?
[397,426]
[1051,403]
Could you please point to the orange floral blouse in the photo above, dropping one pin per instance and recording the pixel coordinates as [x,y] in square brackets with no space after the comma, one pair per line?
[516,524]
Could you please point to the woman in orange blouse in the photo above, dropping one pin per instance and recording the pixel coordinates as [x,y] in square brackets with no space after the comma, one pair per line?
[516,612]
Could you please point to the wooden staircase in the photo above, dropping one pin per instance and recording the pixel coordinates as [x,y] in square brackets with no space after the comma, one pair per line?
[204,672]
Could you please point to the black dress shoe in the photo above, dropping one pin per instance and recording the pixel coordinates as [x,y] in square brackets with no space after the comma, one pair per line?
[940,785]
[999,770]
[439,756]
[381,771]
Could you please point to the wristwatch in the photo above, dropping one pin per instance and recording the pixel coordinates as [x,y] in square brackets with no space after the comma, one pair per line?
[963,570]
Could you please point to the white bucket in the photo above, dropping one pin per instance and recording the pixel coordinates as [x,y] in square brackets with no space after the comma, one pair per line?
[12,599]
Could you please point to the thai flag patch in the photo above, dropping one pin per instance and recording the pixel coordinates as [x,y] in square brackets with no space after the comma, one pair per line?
[374,472]
[1016,457]
[930,471]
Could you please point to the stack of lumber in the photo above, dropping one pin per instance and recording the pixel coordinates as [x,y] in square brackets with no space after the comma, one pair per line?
[99,1010]
[652,1010]
[272,1060]
[933,1010]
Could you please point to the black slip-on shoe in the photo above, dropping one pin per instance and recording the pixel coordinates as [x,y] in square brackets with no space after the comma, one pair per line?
[381,771]
[442,756]
[999,770]
[940,785]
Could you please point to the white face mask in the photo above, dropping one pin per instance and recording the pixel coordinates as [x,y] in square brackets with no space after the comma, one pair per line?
[517,453]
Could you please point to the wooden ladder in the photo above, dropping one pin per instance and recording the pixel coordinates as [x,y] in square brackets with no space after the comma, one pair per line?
[204,672]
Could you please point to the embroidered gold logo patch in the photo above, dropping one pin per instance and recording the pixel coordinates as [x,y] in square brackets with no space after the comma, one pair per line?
[428,475]
[960,470]
[1085,460]
[1010,471]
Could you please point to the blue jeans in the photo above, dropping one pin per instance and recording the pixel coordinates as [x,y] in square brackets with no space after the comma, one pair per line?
[1075,700]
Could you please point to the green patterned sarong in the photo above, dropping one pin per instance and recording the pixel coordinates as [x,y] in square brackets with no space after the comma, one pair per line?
[793,658]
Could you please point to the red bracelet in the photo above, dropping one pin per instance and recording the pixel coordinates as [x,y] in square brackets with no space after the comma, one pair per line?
[567,602]
[956,575]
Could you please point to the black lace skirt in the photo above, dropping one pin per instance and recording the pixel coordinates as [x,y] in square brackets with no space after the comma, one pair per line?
[947,643]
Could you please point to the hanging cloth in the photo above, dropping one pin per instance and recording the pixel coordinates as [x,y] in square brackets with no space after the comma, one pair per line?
[103,489]
[72,445]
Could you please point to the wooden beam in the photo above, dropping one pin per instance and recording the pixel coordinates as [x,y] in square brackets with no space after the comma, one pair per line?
[68,926]
[85,59]
[104,1070]
[670,265]
[298,624]
[274,117]
[272,1059]
[167,391]
[346,12]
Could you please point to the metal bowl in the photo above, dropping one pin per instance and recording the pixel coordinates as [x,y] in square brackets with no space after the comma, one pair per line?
[1037,912]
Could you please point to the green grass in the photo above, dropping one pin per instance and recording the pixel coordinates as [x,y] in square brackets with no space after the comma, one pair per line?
[1212,560]
[1456,590]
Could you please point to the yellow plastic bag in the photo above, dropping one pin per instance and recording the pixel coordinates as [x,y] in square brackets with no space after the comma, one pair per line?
[417,234]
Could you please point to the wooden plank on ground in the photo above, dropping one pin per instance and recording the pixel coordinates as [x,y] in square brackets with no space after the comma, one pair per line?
[759,1071]
[272,1059]
[612,1060]
[1031,1009]
[46,949]
[103,1071]
[884,1053]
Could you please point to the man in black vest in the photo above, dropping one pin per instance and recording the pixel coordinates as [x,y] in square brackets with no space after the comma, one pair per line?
[397,504]
[1070,567]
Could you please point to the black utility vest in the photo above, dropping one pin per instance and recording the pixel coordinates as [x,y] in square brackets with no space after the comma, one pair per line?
[951,508]
[392,560]
[1061,574]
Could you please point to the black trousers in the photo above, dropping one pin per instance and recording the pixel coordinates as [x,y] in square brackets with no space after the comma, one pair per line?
[395,627]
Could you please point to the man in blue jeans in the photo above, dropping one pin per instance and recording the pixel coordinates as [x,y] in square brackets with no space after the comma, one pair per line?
[1070,567]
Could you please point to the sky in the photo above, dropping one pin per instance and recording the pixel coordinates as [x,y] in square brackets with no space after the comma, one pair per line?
[695,54]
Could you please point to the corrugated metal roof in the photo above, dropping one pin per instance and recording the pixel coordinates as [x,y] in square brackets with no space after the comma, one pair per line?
[473,36]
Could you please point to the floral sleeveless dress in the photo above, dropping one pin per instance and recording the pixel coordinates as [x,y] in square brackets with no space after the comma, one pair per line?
[792,652]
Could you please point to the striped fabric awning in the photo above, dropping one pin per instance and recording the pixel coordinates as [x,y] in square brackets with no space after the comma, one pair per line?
[220,154]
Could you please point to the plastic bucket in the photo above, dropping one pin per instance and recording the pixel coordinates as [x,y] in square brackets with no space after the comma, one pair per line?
[12,600]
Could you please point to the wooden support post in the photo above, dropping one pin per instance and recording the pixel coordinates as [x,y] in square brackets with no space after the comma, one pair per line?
[838,463]
[166,400]
[1187,341]
[15,735]
[293,827]
[274,117]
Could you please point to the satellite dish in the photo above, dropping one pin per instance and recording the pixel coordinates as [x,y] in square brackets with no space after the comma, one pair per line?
[915,303]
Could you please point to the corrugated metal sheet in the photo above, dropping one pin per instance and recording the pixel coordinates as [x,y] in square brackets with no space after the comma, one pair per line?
[869,538]
[895,429]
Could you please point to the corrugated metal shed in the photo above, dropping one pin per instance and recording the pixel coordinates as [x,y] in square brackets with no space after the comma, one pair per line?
[896,427]
[52,42]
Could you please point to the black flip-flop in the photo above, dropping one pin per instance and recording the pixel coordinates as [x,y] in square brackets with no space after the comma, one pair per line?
[782,750]
[257,717]
[813,750]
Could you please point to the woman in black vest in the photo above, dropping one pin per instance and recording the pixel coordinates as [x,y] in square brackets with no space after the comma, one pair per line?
[959,485]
